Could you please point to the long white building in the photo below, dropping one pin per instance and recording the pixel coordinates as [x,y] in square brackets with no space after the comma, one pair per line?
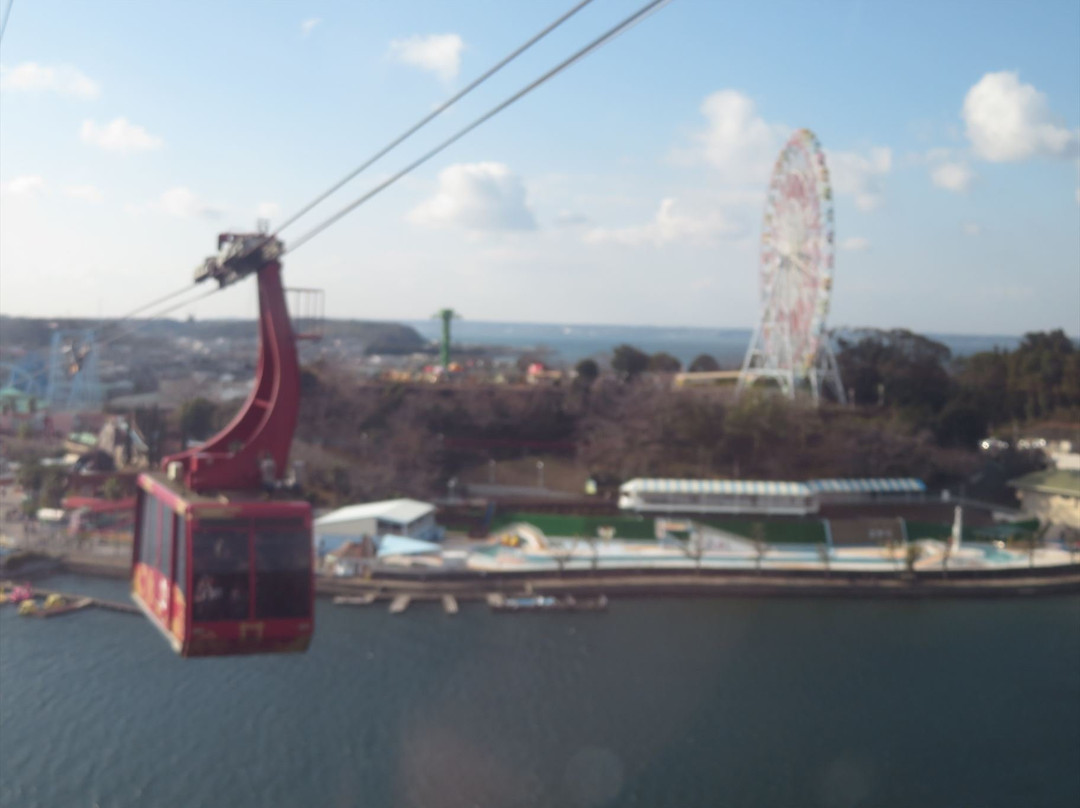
[761,497]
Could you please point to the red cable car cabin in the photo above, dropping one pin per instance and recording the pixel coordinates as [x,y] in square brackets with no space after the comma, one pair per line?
[221,562]
[224,574]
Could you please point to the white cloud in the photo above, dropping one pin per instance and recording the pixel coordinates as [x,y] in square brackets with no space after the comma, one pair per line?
[267,210]
[32,77]
[119,135]
[477,196]
[566,218]
[438,53]
[87,193]
[1008,121]
[855,244]
[736,141]
[859,175]
[670,225]
[971,229]
[26,184]
[184,204]
[307,26]
[952,176]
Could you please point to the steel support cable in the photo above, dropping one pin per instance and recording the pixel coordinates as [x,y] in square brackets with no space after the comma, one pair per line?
[385,149]
[151,304]
[445,105]
[141,324]
[610,34]
[7,16]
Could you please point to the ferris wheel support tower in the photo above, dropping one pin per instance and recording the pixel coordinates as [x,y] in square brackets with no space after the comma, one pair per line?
[790,345]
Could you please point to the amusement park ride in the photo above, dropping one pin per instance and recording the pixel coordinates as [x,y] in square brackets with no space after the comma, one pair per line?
[222,557]
[790,345]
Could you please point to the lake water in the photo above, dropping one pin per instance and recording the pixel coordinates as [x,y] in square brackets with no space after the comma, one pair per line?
[725,702]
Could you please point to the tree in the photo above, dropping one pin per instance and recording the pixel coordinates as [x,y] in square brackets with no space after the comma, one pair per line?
[594,545]
[53,486]
[113,489]
[703,363]
[562,553]
[825,557]
[197,418]
[663,362]
[908,369]
[961,425]
[761,547]
[695,547]
[1032,540]
[30,475]
[912,553]
[587,371]
[629,361]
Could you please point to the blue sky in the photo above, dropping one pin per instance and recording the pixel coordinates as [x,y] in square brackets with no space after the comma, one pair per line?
[628,190]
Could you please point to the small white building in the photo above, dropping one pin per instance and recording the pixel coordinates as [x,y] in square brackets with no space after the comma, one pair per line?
[398,517]
[1052,496]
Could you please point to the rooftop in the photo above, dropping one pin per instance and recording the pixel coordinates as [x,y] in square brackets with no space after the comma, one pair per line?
[774,487]
[399,511]
[1064,482]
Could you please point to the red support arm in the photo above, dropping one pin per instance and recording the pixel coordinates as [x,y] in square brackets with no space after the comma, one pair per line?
[233,459]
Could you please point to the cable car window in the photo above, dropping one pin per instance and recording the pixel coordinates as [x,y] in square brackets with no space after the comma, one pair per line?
[283,574]
[148,529]
[164,560]
[219,566]
[181,553]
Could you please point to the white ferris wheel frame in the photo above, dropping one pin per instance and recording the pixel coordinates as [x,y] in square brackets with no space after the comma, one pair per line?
[790,344]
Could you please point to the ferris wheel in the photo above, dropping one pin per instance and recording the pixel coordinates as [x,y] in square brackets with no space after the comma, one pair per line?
[790,344]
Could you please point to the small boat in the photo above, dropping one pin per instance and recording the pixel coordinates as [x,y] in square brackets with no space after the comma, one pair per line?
[54,605]
[550,603]
[16,593]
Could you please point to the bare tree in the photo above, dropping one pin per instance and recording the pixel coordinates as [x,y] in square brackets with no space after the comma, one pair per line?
[562,554]
[594,546]
[694,547]
[912,553]
[761,547]
[826,558]
[1032,540]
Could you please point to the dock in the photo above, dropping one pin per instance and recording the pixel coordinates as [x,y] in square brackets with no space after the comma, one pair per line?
[356,600]
[78,602]
[55,611]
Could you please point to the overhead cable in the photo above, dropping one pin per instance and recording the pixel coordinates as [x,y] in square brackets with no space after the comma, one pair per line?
[7,16]
[627,23]
[389,146]
[445,105]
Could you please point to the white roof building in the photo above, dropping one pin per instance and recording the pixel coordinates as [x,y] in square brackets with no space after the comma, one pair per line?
[770,497]
[400,517]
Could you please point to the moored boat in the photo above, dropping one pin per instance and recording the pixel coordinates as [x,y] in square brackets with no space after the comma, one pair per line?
[549,603]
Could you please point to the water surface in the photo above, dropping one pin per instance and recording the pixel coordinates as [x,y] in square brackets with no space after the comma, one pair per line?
[679,702]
